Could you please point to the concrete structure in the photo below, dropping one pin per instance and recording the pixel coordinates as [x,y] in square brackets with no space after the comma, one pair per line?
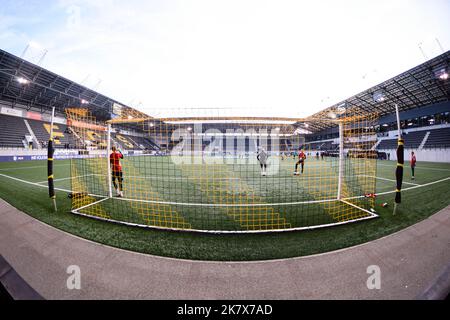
[409,261]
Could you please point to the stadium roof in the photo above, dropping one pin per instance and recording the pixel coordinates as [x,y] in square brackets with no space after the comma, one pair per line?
[25,83]
[425,84]
[33,86]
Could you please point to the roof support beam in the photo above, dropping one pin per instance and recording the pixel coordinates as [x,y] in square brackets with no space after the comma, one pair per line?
[409,95]
[429,95]
[51,87]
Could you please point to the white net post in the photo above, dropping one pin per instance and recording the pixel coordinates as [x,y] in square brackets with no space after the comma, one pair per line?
[341,160]
[51,123]
[108,147]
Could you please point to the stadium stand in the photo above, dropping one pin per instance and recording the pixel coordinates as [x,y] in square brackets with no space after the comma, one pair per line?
[285,145]
[152,145]
[414,139]
[387,144]
[12,131]
[438,138]
[62,137]
[128,142]
[427,106]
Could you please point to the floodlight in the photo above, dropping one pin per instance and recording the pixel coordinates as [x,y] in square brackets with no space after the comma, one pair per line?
[444,76]
[332,115]
[378,96]
[441,72]
[23,80]
[340,109]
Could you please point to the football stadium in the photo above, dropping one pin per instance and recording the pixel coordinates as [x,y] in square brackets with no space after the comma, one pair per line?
[207,202]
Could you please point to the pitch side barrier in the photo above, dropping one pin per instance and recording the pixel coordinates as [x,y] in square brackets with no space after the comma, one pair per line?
[20,158]
[128,153]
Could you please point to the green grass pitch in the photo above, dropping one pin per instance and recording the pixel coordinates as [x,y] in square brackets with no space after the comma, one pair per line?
[23,185]
[271,201]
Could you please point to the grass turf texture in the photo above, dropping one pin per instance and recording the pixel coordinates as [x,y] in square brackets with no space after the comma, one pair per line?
[417,204]
[235,182]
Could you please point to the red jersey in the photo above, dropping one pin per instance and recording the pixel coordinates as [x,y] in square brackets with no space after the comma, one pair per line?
[413,161]
[301,156]
[114,159]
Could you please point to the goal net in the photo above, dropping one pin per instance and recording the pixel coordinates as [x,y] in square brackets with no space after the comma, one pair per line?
[224,174]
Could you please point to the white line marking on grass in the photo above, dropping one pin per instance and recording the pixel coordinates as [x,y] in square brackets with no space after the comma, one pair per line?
[415,187]
[89,205]
[42,186]
[406,189]
[417,167]
[272,204]
[32,183]
[391,180]
[232,205]
[257,176]
[68,178]
[33,167]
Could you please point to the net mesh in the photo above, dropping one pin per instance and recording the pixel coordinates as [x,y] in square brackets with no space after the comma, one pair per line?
[224,174]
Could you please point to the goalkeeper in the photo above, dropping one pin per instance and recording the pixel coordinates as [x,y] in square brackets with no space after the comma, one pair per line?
[116,170]
[262,158]
[301,161]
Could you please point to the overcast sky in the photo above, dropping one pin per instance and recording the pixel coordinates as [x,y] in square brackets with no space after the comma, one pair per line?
[285,58]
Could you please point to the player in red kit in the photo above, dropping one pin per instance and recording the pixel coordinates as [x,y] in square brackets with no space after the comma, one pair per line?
[116,170]
[301,161]
[413,164]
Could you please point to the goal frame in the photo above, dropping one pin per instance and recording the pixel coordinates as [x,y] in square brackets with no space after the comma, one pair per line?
[339,197]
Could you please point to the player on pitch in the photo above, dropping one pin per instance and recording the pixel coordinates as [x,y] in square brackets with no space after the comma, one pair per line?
[413,164]
[301,161]
[262,158]
[116,170]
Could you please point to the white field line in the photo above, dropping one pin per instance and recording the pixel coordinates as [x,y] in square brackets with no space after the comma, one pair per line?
[391,180]
[233,205]
[33,167]
[406,189]
[358,207]
[415,187]
[43,186]
[418,167]
[90,204]
[156,177]
[68,178]
[371,216]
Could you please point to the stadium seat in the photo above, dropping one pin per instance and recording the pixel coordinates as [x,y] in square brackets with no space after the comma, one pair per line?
[12,131]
